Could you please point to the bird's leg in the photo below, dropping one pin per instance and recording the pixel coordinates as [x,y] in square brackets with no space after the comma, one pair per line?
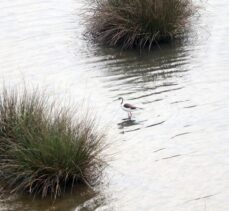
[129,116]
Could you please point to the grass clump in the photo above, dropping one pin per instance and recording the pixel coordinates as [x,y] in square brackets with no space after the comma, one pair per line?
[139,23]
[44,150]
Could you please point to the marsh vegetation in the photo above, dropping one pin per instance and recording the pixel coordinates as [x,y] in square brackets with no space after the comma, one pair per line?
[139,23]
[45,149]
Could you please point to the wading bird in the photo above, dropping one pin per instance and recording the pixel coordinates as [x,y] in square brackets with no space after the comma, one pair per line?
[128,107]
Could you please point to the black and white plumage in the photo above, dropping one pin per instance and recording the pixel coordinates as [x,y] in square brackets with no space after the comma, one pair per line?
[128,107]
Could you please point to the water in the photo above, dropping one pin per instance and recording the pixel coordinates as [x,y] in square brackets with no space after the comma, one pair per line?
[173,155]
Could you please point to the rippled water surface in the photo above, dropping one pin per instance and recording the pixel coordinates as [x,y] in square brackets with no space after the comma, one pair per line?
[174,154]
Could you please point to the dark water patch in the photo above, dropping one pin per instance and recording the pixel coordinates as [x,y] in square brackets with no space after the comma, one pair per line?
[153,101]
[192,106]
[166,84]
[127,123]
[173,156]
[155,124]
[202,197]
[133,130]
[80,199]
[156,93]
[156,65]
[132,123]
[179,101]
[158,150]
[187,125]
[180,134]
[169,157]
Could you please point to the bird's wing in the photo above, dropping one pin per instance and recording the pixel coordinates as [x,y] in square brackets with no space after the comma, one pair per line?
[127,105]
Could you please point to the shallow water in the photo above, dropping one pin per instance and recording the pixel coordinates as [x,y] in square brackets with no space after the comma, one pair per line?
[173,155]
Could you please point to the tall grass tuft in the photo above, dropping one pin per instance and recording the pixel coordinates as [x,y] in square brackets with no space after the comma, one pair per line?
[139,23]
[45,150]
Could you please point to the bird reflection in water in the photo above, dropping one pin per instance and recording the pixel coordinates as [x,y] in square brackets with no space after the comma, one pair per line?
[129,123]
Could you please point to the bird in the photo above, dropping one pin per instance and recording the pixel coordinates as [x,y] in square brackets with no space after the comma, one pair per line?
[128,107]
